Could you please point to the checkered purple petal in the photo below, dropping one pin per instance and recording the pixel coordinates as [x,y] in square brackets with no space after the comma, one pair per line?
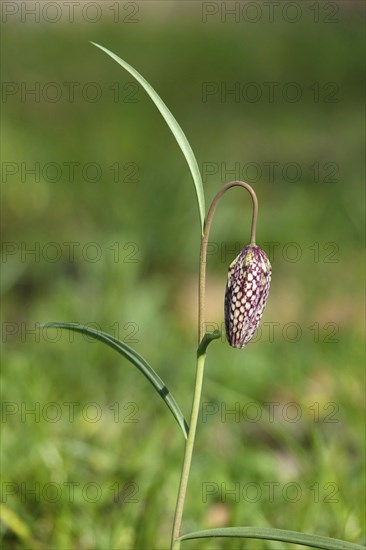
[247,288]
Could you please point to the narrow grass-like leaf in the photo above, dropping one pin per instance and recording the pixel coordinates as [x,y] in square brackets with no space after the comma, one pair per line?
[14,523]
[173,126]
[136,360]
[304,539]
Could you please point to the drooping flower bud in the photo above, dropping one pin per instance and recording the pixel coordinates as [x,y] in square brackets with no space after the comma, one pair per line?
[248,282]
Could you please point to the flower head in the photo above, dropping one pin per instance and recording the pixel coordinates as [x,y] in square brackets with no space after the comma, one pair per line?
[247,288]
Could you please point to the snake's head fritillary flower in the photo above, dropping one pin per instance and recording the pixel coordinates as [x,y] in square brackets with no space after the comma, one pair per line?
[247,288]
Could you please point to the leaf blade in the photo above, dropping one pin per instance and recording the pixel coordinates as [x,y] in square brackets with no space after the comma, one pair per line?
[282,535]
[173,126]
[136,359]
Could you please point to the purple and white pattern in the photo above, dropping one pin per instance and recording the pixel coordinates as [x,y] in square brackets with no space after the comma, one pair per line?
[247,288]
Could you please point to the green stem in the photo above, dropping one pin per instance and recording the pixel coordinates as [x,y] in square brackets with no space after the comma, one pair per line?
[201,353]
[204,243]
[188,452]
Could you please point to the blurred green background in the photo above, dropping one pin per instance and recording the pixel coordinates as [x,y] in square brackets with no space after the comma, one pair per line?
[101,453]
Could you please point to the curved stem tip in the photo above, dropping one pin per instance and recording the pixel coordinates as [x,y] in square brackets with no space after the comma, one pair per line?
[204,243]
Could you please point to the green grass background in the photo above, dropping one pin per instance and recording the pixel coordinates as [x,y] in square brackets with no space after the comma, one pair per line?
[153,300]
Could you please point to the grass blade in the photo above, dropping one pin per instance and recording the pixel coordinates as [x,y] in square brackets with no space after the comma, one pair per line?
[304,539]
[173,126]
[10,520]
[136,360]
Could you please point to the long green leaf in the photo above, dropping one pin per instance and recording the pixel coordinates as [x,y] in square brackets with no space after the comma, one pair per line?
[304,539]
[174,127]
[136,360]
[12,521]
